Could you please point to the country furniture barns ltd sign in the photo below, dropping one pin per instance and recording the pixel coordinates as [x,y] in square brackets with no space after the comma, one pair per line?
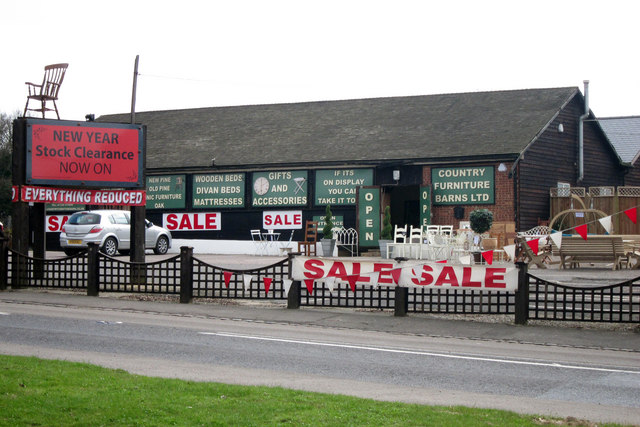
[463,186]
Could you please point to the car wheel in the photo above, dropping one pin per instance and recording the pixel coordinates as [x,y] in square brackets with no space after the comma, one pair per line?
[162,246]
[110,246]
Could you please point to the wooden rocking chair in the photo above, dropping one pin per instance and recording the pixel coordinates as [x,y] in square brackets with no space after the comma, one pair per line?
[48,90]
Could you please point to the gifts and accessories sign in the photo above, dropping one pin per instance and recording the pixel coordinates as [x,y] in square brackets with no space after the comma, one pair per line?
[89,154]
[405,274]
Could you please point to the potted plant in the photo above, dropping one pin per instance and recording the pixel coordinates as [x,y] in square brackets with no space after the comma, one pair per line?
[481,221]
[385,233]
[328,242]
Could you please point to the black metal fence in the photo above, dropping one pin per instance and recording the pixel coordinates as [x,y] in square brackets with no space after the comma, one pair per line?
[614,303]
[189,277]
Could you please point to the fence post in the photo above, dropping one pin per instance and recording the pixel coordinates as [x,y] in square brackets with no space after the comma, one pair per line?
[186,274]
[4,263]
[401,301]
[93,270]
[522,294]
[293,297]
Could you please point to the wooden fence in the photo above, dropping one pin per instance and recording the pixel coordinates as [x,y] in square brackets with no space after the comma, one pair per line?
[586,206]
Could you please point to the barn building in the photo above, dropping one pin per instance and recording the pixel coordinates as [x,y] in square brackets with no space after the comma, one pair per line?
[433,159]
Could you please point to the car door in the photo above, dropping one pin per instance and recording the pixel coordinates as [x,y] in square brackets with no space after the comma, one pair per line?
[122,229]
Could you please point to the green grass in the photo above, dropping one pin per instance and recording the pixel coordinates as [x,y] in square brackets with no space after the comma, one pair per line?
[38,392]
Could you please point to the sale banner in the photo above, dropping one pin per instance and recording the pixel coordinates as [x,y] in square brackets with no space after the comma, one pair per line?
[406,274]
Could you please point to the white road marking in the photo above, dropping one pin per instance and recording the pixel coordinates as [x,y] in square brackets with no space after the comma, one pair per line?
[3,313]
[419,353]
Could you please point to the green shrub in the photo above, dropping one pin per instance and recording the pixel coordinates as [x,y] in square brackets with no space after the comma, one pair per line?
[328,223]
[481,220]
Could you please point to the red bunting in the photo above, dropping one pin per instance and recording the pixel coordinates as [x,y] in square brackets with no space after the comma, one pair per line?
[444,261]
[632,214]
[267,284]
[227,278]
[309,283]
[534,245]
[352,281]
[488,257]
[395,273]
[582,231]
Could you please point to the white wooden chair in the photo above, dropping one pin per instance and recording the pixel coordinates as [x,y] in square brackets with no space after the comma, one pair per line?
[415,241]
[399,241]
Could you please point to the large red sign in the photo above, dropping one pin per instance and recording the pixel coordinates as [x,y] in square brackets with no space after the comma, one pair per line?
[84,153]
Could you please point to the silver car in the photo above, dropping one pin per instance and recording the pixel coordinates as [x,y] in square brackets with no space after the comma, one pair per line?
[110,229]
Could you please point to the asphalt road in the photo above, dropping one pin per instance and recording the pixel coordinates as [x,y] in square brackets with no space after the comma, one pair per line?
[594,384]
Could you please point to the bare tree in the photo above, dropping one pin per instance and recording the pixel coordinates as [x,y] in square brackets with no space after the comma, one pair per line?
[6,144]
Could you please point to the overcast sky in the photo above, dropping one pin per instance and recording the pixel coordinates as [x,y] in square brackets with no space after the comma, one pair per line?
[234,52]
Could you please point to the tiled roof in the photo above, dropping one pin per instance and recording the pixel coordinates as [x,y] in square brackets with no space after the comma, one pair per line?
[350,131]
[624,135]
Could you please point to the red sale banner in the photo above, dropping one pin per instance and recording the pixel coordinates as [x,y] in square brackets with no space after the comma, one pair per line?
[412,273]
[85,153]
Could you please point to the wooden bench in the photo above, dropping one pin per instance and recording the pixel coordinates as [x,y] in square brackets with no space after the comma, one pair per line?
[574,250]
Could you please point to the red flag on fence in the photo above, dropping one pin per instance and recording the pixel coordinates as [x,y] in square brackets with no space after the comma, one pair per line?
[632,214]
[488,257]
[309,283]
[352,281]
[582,231]
[227,278]
[395,273]
[267,284]
[534,244]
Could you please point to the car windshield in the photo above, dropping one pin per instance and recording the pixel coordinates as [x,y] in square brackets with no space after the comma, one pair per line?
[84,218]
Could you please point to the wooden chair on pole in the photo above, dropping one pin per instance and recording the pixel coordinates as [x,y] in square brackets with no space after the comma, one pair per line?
[308,245]
[48,90]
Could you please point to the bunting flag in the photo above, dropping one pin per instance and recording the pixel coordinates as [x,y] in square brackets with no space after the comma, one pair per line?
[286,283]
[534,245]
[466,260]
[227,278]
[442,261]
[557,239]
[396,273]
[330,283]
[488,257]
[352,281]
[582,231]
[510,250]
[247,281]
[375,278]
[267,284]
[309,283]
[632,214]
[606,224]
